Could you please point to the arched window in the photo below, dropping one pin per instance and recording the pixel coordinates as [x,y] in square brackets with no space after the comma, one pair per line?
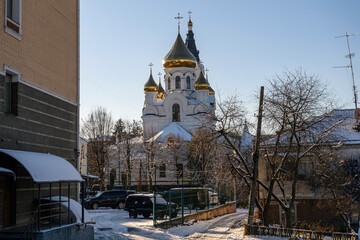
[177,82]
[169,84]
[176,113]
[188,82]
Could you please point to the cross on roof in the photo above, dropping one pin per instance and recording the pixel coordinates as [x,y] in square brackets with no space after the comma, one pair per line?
[207,70]
[159,76]
[151,65]
[178,18]
[189,15]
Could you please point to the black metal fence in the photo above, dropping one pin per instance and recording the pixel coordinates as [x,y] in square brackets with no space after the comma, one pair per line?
[303,234]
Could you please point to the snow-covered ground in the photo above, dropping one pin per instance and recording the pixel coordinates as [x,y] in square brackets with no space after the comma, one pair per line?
[116,224]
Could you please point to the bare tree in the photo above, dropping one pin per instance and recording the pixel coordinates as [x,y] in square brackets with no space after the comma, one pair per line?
[297,105]
[177,153]
[98,128]
[201,154]
[129,144]
[297,109]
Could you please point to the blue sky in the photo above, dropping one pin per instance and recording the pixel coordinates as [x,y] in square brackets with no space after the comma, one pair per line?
[242,43]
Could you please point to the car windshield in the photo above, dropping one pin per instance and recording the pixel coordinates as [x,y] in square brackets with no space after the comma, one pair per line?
[159,200]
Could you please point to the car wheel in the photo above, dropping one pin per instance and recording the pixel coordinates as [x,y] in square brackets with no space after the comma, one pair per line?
[120,205]
[132,213]
[146,215]
[95,206]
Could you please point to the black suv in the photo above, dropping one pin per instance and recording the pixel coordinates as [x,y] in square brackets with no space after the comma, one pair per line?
[113,198]
[142,204]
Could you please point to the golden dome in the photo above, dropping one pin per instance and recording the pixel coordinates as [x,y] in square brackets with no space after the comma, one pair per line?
[201,83]
[150,85]
[190,23]
[160,91]
[179,56]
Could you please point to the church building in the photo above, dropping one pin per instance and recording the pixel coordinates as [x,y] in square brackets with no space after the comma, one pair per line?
[183,104]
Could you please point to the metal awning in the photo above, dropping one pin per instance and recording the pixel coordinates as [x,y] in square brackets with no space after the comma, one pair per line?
[8,172]
[44,168]
[90,176]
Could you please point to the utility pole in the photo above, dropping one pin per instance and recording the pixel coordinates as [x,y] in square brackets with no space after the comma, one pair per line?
[255,158]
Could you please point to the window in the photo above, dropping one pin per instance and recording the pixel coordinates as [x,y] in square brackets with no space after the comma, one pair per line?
[169,84]
[176,113]
[179,170]
[13,17]
[188,82]
[177,82]
[162,170]
[170,141]
[10,95]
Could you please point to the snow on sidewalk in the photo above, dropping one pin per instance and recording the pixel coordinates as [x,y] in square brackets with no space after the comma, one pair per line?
[116,224]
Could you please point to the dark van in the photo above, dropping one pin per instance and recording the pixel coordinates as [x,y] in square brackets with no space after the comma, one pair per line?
[193,197]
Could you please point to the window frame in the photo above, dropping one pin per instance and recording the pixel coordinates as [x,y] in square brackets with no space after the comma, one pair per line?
[10,23]
[177,82]
[175,115]
[169,83]
[15,77]
[162,170]
[8,93]
[188,82]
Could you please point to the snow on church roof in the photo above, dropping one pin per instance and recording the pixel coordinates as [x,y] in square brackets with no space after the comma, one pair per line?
[174,130]
[246,138]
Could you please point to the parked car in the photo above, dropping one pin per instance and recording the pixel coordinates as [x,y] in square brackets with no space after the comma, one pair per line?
[193,197]
[143,204]
[113,198]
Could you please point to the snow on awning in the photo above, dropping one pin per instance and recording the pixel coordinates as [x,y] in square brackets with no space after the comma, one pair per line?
[89,176]
[45,167]
[5,171]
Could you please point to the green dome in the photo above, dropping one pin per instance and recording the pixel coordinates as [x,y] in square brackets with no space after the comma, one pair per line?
[179,55]
[201,83]
[160,91]
[150,85]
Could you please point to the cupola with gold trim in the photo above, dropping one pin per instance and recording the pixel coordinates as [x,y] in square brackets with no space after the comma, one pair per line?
[211,91]
[201,83]
[179,55]
[150,85]
[161,89]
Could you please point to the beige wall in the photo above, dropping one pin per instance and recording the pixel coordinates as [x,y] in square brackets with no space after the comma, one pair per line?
[47,53]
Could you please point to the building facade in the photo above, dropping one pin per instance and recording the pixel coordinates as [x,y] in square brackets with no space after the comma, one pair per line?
[39,101]
[314,202]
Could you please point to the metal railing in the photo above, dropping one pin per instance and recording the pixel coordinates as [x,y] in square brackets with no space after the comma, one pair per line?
[36,221]
[303,234]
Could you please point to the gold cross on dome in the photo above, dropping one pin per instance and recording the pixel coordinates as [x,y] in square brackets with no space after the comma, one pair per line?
[178,18]
[159,76]
[189,15]
[207,70]
[151,65]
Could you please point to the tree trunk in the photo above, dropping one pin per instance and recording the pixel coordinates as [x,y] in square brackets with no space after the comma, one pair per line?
[288,218]
[267,204]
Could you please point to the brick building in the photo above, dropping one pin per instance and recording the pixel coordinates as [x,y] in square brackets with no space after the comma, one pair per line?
[39,105]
